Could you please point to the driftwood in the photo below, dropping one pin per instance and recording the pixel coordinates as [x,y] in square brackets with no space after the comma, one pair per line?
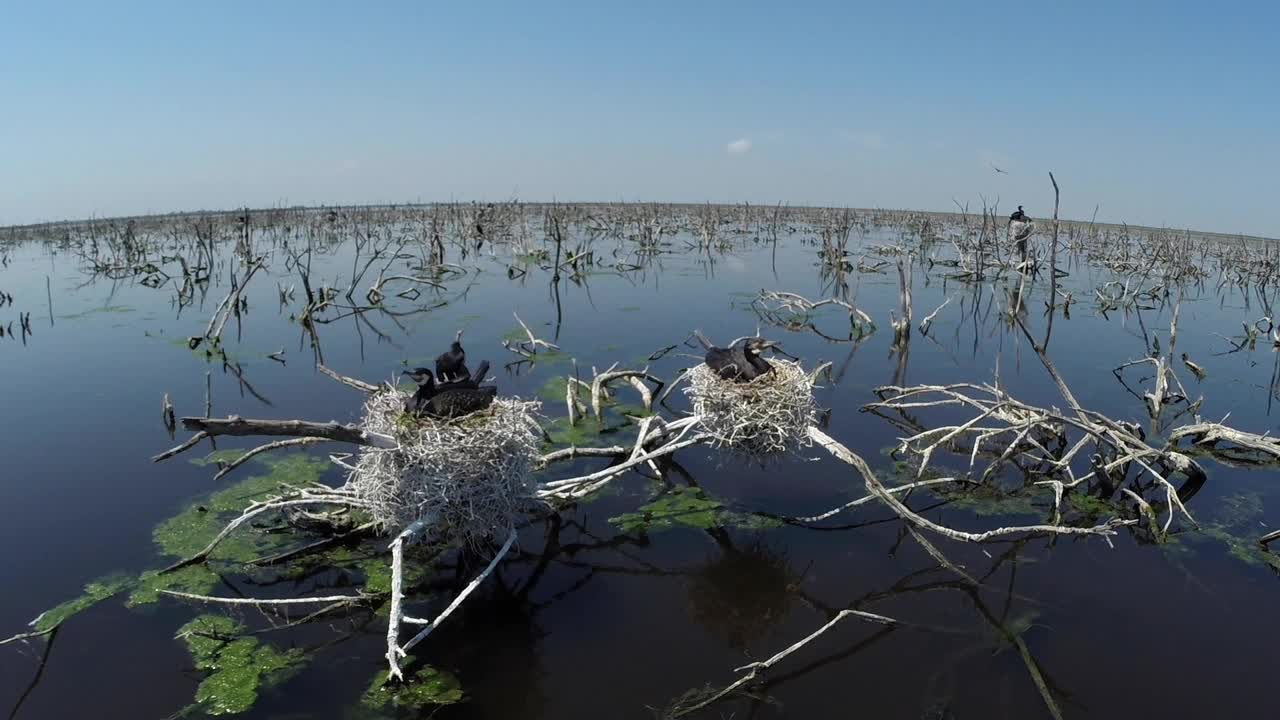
[1212,434]
[875,487]
[1005,428]
[237,426]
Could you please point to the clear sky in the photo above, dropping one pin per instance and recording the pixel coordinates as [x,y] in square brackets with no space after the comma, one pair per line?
[1162,113]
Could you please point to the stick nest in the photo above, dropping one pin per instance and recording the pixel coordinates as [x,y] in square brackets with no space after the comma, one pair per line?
[765,417]
[469,478]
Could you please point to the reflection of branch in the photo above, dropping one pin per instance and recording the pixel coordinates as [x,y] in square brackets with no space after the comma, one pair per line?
[44,662]
[756,668]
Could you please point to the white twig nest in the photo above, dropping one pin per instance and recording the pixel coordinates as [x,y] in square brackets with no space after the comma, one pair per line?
[469,478]
[1020,229]
[767,416]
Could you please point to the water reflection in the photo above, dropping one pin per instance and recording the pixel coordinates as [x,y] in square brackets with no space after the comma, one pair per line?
[368,291]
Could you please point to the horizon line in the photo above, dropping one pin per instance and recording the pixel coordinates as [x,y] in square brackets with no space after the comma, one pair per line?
[422,204]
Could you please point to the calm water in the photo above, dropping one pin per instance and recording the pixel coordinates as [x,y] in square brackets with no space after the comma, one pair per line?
[618,624]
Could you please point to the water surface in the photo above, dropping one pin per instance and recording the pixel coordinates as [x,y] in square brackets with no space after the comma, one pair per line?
[617,623]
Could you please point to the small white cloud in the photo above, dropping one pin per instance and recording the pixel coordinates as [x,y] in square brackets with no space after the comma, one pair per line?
[739,146]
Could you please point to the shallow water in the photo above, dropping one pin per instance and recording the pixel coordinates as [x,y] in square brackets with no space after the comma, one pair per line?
[618,624]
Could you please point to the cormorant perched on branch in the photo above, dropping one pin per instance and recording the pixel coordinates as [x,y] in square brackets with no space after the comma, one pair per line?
[452,365]
[447,401]
[1019,216]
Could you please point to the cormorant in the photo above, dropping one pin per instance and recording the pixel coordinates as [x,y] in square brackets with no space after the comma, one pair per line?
[426,388]
[749,352]
[468,382]
[1019,216]
[447,401]
[740,361]
[452,365]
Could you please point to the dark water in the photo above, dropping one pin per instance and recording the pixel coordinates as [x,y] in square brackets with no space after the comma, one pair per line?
[617,624]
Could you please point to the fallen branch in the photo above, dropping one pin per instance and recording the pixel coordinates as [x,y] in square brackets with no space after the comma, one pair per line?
[352,382]
[1213,433]
[341,599]
[236,426]
[276,445]
[844,454]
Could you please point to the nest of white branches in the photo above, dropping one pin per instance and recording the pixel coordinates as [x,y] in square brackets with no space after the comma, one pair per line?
[765,417]
[468,478]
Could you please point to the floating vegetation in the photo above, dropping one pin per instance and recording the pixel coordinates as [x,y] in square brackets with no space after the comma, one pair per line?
[990,501]
[197,579]
[1235,525]
[191,530]
[586,430]
[94,593]
[422,690]
[688,507]
[238,666]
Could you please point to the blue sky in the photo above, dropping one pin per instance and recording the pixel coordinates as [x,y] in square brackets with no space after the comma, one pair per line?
[1156,113]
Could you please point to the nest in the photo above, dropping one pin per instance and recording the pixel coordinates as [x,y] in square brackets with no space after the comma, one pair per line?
[767,416]
[469,478]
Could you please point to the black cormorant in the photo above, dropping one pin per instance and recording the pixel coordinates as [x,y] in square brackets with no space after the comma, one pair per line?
[751,350]
[426,388]
[1019,216]
[447,401]
[468,382]
[452,365]
[740,361]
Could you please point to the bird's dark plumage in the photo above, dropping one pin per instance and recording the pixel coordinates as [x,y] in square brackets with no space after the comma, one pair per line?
[1019,215]
[448,401]
[458,402]
[426,388]
[468,382]
[741,361]
[452,365]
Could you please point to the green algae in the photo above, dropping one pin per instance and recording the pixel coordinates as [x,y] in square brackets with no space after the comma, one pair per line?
[94,593]
[426,688]
[195,579]
[688,507]
[586,431]
[1234,526]
[191,530]
[238,666]
[554,389]
[986,502]
[1090,505]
